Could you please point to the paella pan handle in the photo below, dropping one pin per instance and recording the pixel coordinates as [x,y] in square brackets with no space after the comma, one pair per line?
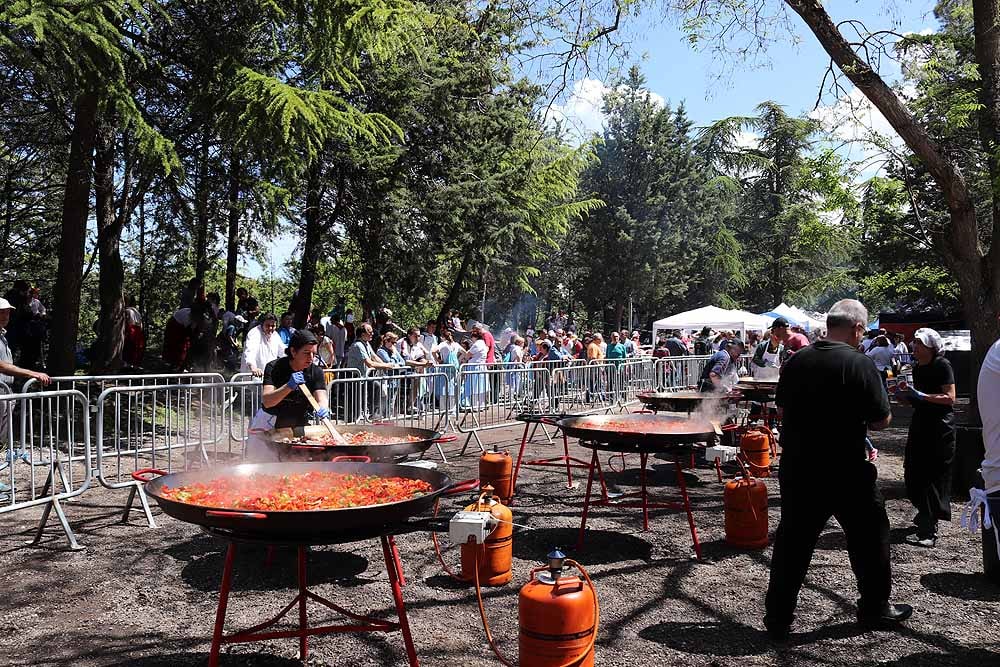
[359,459]
[138,475]
[462,487]
[307,447]
[235,515]
[451,437]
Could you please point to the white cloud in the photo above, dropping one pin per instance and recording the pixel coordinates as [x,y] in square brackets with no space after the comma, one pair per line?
[747,139]
[861,133]
[853,118]
[582,114]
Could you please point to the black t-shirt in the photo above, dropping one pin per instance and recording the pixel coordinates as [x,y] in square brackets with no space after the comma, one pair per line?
[830,393]
[676,347]
[931,379]
[292,410]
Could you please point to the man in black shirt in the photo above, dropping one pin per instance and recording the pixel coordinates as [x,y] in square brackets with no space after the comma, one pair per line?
[282,402]
[676,346]
[830,396]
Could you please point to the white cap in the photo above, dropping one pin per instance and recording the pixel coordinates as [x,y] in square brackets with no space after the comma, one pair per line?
[5,304]
[930,338]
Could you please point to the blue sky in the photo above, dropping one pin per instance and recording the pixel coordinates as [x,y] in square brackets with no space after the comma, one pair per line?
[676,72]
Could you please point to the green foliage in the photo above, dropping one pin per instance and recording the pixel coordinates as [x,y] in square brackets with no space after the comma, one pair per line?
[793,206]
[663,212]
[914,287]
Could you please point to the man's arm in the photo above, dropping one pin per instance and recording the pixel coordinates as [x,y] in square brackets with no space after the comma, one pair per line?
[18,372]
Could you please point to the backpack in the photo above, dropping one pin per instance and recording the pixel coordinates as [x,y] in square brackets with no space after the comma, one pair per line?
[701,346]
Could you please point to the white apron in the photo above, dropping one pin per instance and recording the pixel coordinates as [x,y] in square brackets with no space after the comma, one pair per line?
[257,449]
[769,371]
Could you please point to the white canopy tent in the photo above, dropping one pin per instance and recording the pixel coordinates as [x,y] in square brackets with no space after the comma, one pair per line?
[800,317]
[713,317]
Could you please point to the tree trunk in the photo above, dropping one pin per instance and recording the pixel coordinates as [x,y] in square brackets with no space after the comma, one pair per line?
[111,321]
[142,262]
[8,217]
[619,311]
[76,209]
[977,278]
[986,18]
[456,286]
[232,232]
[201,213]
[312,245]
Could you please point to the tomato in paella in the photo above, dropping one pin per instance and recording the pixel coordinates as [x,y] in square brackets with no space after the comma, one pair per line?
[297,492]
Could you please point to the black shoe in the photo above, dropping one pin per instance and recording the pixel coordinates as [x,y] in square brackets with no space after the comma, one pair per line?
[777,631]
[890,616]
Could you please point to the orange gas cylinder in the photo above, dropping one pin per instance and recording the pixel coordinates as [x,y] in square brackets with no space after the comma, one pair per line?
[494,469]
[745,500]
[757,445]
[494,556]
[558,617]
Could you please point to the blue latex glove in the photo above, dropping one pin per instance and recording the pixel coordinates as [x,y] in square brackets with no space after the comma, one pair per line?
[322,413]
[916,395]
[296,379]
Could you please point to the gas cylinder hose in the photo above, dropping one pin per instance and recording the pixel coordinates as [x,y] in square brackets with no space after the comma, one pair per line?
[437,549]
[489,635]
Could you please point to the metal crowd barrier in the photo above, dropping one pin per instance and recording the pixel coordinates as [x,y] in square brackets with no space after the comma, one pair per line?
[411,400]
[166,427]
[637,375]
[490,398]
[91,387]
[47,453]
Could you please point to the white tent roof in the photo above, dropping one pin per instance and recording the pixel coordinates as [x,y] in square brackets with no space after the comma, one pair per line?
[800,316]
[714,317]
[754,322]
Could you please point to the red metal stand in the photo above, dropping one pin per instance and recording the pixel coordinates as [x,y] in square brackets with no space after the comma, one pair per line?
[565,460]
[644,501]
[303,631]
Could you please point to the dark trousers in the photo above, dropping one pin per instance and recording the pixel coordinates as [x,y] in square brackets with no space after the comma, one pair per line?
[808,500]
[930,451]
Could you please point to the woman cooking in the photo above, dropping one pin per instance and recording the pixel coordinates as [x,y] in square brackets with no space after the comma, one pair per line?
[283,402]
[930,444]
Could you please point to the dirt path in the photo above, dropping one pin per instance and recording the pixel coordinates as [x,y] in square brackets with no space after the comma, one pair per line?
[145,598]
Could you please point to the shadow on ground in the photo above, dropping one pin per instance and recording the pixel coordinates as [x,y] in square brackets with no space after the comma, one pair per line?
[971,586]
[600,546]
[251,571]
[201,658]
[741,640]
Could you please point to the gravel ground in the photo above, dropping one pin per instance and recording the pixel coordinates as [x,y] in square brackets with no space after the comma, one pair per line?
[147,597]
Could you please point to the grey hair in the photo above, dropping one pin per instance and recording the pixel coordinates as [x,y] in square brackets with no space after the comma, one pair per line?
[846,313]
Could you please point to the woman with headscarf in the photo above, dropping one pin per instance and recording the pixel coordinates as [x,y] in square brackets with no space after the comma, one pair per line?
[283,403]
[930,444]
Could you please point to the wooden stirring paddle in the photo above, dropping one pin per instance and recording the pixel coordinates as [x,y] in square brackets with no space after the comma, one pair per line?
[339,439]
